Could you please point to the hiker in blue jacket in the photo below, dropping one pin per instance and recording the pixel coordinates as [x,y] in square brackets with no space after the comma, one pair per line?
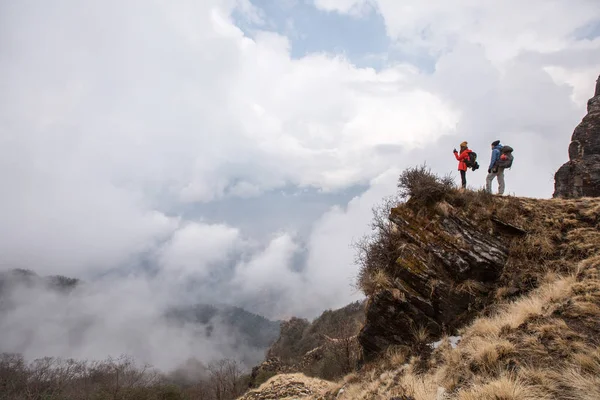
[495,171]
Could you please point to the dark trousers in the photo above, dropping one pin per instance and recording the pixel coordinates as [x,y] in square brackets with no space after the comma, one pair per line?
[463,178]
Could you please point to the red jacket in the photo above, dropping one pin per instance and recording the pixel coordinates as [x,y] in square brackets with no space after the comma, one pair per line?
[462,166]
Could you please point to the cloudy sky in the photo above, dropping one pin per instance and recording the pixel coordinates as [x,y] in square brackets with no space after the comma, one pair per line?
[234,148]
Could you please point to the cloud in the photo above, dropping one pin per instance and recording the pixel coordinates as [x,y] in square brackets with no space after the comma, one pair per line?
[352,7]
[330,267]
[516,72]
[108,110]
[109,319]
[197,248]
[117,116]
[503,28]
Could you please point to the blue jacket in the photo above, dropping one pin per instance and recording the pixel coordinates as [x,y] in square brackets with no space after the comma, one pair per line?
[495,155]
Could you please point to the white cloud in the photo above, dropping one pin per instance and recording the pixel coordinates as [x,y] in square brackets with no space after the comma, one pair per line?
[330,268]
[109,319]
[115,113]
[503,28]
[352,7]
[270,272]
[512,71]
[196,248]
[106,107]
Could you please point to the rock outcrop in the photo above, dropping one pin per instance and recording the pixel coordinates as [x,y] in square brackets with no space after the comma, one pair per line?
[442,268]
[290,386]
[580,176]
[436,268]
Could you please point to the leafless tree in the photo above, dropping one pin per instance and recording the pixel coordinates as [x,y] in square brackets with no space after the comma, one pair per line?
[378,250]
[112,379]
[225,379]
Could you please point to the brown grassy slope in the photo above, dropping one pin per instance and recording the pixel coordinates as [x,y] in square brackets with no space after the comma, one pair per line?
[542,345]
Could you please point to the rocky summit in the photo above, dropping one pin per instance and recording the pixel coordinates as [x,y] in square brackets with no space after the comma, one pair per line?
[580,176]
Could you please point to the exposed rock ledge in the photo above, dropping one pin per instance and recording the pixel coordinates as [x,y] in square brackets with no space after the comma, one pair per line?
[444,267]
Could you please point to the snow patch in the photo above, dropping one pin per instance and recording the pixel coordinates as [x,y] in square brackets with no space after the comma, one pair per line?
[454,340]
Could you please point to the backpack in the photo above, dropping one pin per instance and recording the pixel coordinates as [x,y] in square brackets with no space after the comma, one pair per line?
[471,162]
[506,157]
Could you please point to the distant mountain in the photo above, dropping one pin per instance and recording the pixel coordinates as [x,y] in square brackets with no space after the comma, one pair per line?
[254,334]
[255,330]
[15,277]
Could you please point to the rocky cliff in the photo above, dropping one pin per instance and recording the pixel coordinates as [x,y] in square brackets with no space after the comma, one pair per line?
[580,176]
[442,265]
[434,268]
[537,337]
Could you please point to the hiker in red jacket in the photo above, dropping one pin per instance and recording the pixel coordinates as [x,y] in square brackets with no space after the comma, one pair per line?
[462,165]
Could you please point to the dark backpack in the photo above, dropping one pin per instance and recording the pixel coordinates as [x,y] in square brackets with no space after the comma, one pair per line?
[506,157]
[471,162]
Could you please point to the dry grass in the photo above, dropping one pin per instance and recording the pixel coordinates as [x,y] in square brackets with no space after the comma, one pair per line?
[396,356]
[503,388]
[471,287]
[381,280]
[391,384]
[578,385]
[525,351]
[420,335]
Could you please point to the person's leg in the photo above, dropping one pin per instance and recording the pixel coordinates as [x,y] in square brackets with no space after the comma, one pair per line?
[488,182]
[463,178]
[501,181]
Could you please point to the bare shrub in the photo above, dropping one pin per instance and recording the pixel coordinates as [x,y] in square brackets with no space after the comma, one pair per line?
[225,379]
[422,188]
[115,379]
[377,252]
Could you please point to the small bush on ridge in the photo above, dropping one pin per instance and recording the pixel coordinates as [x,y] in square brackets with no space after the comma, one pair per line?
[423,188]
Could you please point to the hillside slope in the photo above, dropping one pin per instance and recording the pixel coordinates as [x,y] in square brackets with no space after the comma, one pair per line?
[539,344]
[450,260]
[326,347]
[528,330]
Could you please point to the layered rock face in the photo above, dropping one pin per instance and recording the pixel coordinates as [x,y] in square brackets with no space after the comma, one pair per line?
[444,267]
[580,176]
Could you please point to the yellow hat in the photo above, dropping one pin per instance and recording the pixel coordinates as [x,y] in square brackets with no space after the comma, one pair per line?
[464,144]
